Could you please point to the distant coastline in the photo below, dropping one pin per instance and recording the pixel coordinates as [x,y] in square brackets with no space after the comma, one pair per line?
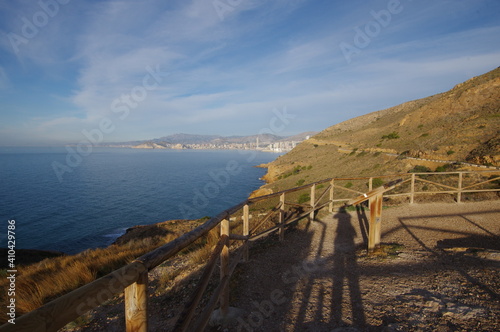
[261,142]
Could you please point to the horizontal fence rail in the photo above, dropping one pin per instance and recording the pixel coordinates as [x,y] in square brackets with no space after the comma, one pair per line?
[272,213]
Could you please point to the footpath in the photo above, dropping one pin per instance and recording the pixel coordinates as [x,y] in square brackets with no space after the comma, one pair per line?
[438,272]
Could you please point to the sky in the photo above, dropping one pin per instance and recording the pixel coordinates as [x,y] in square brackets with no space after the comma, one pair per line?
[111,71]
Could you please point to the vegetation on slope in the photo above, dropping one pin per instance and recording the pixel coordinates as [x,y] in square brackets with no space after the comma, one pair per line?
[39,283]
[458,125]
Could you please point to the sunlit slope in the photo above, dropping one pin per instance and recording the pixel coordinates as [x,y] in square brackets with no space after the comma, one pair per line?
[462,124]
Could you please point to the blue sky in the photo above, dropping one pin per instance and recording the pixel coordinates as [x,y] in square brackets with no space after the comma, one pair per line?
[144,69]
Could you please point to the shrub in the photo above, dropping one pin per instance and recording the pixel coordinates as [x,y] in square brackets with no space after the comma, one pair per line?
[205,218]
[361,154]
[424,135]
[348,185]
[403,154]
[296,170]
[377,182]
[304,198]
[496,182]
[450,152]
[419,169]
[300,182]
[444,168]
[393,135]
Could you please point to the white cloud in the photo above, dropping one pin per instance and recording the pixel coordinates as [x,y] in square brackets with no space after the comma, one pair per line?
[227,75]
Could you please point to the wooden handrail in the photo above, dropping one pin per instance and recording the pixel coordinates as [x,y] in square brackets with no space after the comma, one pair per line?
[480,183]
[65,309]
[132,278]
[186,315]
[161,254]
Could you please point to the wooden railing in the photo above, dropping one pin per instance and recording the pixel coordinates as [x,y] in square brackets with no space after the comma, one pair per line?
[132,279]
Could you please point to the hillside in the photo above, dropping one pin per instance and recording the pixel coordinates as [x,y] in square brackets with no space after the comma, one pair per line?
[458,125]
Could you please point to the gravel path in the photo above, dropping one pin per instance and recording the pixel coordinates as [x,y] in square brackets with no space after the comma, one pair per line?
[439,271]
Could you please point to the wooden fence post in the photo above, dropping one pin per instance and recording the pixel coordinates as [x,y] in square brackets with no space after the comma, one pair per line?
[375,222]
[330,207]
[370,184]
[313,200]
[282,218]
[412,189]
[136,304]
[224,268]
[460,184]
[246,230]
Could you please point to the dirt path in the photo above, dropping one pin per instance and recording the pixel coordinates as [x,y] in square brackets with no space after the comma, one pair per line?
[441,273]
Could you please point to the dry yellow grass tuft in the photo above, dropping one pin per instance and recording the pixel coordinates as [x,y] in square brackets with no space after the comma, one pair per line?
[42,282]
[204,247]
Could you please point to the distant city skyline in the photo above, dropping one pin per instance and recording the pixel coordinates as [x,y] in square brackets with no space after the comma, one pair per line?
[113,71]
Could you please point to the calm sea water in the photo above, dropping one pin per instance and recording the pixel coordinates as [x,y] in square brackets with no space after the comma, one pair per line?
[113,189]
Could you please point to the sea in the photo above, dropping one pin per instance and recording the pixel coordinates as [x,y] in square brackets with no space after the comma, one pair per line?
[70,202]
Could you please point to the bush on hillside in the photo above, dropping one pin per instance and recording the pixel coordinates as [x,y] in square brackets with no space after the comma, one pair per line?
[419,169]
[393,135]
[377,182]
[304,198]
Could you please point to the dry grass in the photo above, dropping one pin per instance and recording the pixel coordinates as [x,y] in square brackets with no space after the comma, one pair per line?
[39,283]
[42,282]
[203,247]
[173,272]
[387,250]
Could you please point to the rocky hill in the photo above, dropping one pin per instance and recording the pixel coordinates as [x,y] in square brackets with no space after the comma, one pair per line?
[460,125]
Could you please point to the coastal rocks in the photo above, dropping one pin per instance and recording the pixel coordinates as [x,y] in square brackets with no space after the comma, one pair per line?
[271,176]
[28,256]
[273,172]
[486,153]
[169,228]
[261,192]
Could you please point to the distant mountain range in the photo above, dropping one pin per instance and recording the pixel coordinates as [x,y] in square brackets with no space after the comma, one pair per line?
[190,139]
